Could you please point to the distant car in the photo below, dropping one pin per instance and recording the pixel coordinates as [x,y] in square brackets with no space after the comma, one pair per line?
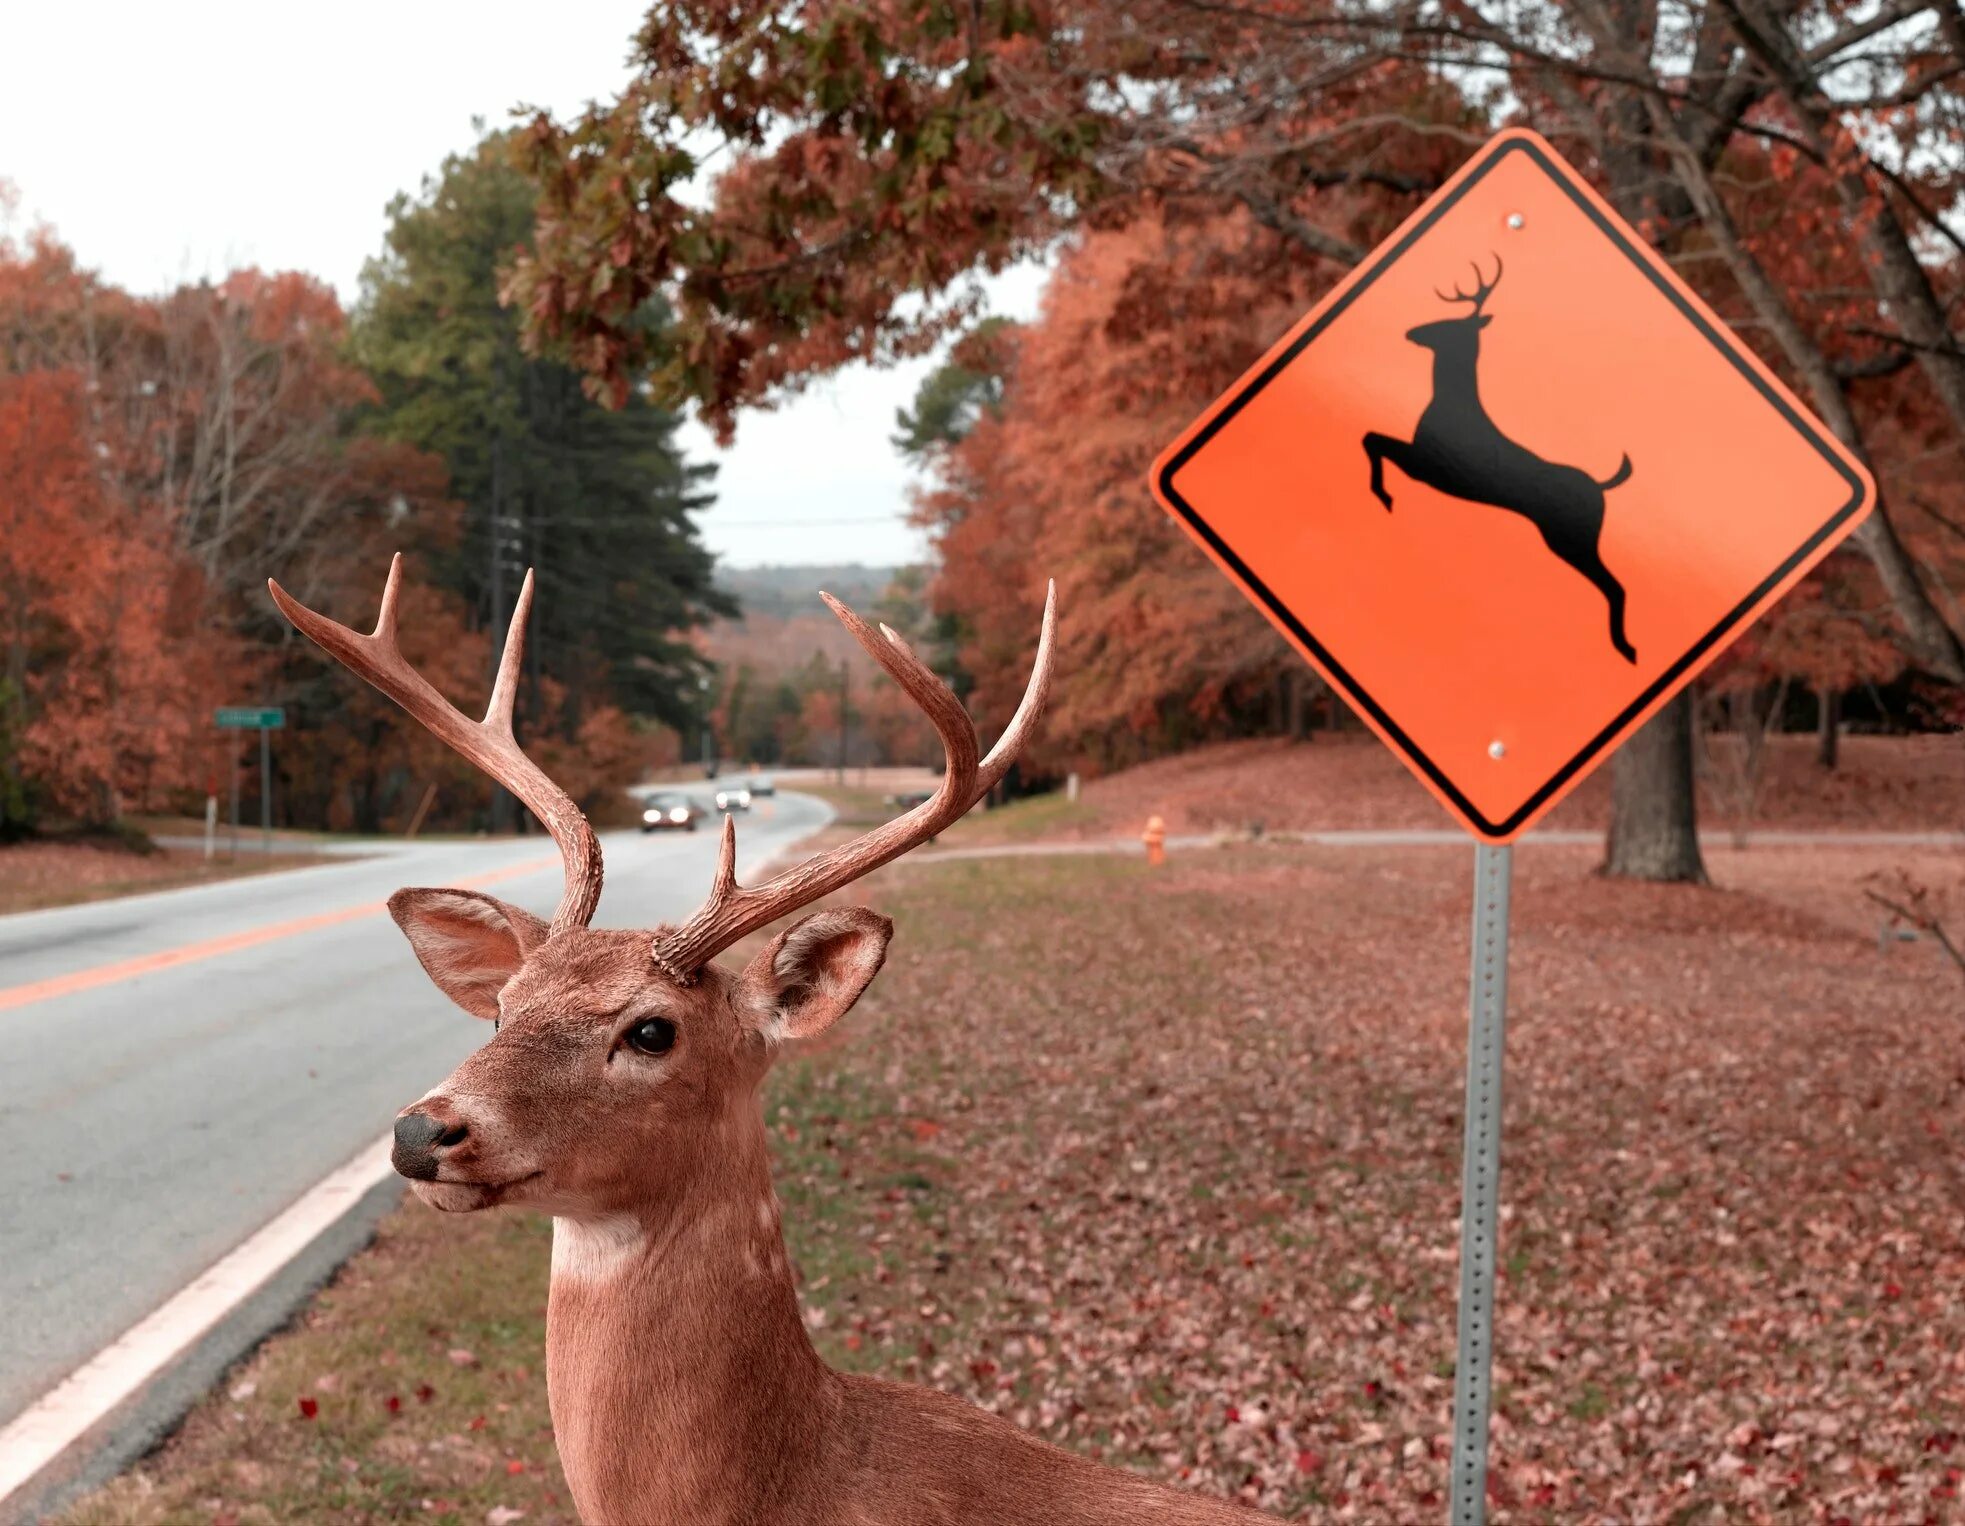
[671,811]
[733,797]
[763,786]
[907,799]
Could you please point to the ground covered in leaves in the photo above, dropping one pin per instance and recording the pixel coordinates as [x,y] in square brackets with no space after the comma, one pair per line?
[1164,1166]
[1347,780]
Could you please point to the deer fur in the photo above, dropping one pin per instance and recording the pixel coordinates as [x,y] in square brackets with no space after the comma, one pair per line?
[619,1094]
[683,1386]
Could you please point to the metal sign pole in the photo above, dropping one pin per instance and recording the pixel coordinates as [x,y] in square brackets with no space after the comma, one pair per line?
[1480,1182]
[265,791]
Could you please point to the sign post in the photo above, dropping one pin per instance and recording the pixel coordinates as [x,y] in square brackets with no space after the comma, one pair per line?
[265,720]
[1480,1180]
[1509,488]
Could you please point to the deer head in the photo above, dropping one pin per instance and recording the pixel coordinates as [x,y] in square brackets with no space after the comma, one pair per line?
[1444,334]
[620,1061]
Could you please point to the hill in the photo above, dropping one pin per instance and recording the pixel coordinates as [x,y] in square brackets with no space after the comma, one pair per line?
[780,593]
[780,661]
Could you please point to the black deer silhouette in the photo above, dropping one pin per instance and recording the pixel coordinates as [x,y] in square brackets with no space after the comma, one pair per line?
[1460,451]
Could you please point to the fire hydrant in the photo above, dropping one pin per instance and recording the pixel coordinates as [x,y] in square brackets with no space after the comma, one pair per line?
[1155,838]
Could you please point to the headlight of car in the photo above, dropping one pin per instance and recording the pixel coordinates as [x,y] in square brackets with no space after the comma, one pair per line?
[651,815]
[743,797]
[680,813]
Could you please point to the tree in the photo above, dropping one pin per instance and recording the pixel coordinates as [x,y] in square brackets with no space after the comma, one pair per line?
[596,500]
[100,681]
[957,394]
[1158,650]
[875,159]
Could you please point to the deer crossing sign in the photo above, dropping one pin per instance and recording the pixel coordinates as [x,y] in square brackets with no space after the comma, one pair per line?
[1510,486]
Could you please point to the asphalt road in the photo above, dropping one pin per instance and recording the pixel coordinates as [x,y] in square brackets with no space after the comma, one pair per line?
[150,1122]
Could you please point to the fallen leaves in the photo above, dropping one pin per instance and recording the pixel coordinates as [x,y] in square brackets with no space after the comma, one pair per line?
[1189,1205]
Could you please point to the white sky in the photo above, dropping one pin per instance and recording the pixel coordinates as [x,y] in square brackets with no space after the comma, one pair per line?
[170,142]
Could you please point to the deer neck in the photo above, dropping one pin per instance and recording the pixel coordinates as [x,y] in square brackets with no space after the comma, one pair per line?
[1456,373]
[682,1383]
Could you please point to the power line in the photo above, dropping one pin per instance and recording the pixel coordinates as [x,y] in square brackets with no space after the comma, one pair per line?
[800,524]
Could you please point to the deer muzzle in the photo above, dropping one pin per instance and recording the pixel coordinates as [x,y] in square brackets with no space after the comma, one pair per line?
[423,1139]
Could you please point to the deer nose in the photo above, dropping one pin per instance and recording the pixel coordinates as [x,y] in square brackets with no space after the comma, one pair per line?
[420,1139]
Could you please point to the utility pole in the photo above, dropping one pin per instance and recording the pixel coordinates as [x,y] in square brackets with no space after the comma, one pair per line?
[265,791]
[709,738]
[844,672]
[501,802]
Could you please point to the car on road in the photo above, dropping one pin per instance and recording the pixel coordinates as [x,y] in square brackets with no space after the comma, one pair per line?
[671,811]
[763,786]
[733,797]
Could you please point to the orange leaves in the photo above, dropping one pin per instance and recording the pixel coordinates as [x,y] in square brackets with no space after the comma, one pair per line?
[1139,320]
[94,641]
[162,456]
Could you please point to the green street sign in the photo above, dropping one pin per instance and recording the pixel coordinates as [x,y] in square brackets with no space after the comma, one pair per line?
[240,718]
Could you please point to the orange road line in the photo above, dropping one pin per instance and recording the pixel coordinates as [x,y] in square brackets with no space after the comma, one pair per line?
[211,948]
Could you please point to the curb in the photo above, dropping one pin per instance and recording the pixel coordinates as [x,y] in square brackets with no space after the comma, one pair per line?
[144,1421]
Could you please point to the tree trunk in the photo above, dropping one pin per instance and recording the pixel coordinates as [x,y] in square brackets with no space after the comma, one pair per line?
[1296,719]
[504,809]
[1828,726]
[1654,824]
[1902,285]
[1931,640]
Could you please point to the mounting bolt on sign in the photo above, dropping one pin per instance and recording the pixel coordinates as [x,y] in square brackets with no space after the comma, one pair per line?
[1511,479]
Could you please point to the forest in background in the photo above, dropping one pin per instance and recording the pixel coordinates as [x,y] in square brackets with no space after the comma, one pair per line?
[1199,173]
[162,456]
[1193,175]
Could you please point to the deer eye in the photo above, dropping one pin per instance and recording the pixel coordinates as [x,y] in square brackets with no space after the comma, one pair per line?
[655,1035]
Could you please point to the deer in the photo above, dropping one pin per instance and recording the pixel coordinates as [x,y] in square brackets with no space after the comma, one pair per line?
[1463,453]
[619,1094]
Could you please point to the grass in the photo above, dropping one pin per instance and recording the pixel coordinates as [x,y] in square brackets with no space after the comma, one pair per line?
[1031,819]
[1163,1165]
[37,875]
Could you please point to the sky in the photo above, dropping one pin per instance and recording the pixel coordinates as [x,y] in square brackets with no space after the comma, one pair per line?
[166,143]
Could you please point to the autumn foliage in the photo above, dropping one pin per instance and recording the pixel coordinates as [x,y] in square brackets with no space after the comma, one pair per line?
[1200,174]
[163,456]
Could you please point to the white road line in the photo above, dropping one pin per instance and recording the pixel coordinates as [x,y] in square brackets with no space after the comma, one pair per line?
[48,1426]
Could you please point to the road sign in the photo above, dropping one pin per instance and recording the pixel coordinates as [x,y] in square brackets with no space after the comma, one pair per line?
[1510,486]
[245,718]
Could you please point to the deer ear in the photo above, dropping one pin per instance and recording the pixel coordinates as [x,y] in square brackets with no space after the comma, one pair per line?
[469,944]
[809,976]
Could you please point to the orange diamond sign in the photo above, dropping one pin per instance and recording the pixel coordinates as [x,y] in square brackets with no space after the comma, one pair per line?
[1511,485]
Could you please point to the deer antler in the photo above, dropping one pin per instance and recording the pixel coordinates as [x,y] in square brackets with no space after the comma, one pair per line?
[488,743]
[1483,287]
[732,911]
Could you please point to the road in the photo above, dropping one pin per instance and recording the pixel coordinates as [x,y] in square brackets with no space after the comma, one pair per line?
[176,1068]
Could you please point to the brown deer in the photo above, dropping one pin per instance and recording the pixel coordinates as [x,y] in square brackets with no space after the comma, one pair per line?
[619,1093]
